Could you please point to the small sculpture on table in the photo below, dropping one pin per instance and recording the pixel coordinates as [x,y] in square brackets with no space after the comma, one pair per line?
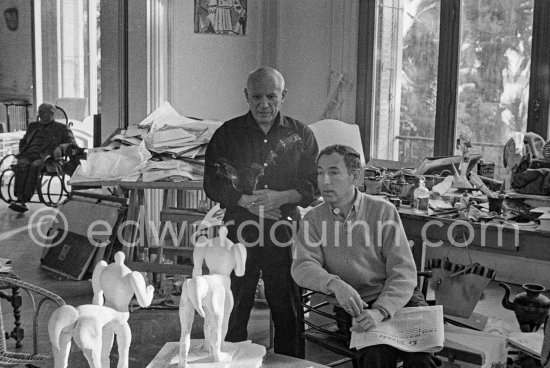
[210,295]
[94,326]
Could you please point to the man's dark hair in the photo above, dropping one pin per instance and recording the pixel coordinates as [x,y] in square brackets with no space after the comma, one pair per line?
[352,158]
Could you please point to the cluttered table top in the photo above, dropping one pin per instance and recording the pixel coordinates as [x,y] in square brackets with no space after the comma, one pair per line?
[464,187]
[167,151]
[164,147]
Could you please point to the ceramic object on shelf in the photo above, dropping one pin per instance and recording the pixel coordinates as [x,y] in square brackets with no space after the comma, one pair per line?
[530,306]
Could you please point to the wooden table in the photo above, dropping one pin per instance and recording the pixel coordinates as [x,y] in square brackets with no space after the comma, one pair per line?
[518,254]
[137,204]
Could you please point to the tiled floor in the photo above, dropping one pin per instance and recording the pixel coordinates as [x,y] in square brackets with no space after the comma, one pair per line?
[151,328]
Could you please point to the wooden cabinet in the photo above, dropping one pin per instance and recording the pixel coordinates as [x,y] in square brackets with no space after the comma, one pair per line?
[518,254]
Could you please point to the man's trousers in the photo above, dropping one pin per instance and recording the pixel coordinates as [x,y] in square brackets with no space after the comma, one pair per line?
[26,177]
[280,291]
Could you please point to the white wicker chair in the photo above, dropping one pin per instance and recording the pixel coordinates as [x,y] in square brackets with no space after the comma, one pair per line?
[37,297]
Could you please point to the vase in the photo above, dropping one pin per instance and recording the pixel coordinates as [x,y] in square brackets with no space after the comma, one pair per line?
[530,306]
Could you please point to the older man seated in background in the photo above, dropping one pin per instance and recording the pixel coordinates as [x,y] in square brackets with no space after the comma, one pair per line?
[43,138]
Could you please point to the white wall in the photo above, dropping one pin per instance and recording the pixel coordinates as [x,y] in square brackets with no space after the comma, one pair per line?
[16,53]
[111,90]
[304,56]
[317,41]
[209,71]
[137,61]
[309,42]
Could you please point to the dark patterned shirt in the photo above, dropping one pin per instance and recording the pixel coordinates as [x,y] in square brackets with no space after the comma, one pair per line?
[282,159]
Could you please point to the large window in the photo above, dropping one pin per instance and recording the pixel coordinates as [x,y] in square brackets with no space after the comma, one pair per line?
[493,79]
[442,68]
[67,55]
[407,46]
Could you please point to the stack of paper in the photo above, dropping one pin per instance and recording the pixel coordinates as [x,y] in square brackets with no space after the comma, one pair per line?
[129,137]
[167,134]
[164,114]
[175,137]
[170,169]
[528,342]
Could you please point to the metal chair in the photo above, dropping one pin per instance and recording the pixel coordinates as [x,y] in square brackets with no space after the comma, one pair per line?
[328,132]
[61,116]
[37,296]
[320,324]
[52,186]
[53,182]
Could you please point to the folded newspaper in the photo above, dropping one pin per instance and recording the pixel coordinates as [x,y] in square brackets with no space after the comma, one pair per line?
[410,329]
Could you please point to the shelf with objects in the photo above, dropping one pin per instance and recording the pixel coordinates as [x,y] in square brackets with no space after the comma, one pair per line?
[158,166]
[506,229]
[144,241]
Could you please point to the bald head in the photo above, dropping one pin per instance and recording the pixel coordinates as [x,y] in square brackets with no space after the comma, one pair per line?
[46,112]
[266,73]
[265,93]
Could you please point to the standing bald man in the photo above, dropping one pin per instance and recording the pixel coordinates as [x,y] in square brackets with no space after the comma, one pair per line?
[260,167]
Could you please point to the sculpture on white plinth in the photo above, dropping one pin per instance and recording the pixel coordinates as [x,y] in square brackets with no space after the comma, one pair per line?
[94,326]
[210,295]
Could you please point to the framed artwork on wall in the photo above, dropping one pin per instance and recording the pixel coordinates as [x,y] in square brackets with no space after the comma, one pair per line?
[226,17]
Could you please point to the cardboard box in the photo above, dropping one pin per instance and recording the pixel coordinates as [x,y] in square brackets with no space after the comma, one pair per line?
[467,348]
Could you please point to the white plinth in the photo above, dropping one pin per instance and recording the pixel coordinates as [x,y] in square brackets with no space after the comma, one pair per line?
[245,355]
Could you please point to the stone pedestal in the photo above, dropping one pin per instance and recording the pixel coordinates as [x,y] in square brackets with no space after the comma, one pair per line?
[245,355]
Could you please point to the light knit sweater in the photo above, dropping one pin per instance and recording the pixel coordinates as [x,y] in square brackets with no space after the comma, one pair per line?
[373,255]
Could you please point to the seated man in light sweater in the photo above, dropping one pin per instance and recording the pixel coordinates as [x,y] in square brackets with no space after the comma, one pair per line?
[353,245]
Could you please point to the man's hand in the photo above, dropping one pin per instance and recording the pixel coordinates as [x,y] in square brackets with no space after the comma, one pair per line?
[347,297]
[368,319]
[270,199]
[251,203]
[247,200]
[260,212]
[58,153]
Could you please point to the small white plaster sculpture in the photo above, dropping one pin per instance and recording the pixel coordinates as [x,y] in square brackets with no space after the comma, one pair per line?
[94,326]
[210,295]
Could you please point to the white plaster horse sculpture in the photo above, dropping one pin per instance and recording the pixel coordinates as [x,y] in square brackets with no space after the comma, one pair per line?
[94,326]
[210,295]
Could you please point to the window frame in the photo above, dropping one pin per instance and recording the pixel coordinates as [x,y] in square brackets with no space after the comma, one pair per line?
[447,78]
